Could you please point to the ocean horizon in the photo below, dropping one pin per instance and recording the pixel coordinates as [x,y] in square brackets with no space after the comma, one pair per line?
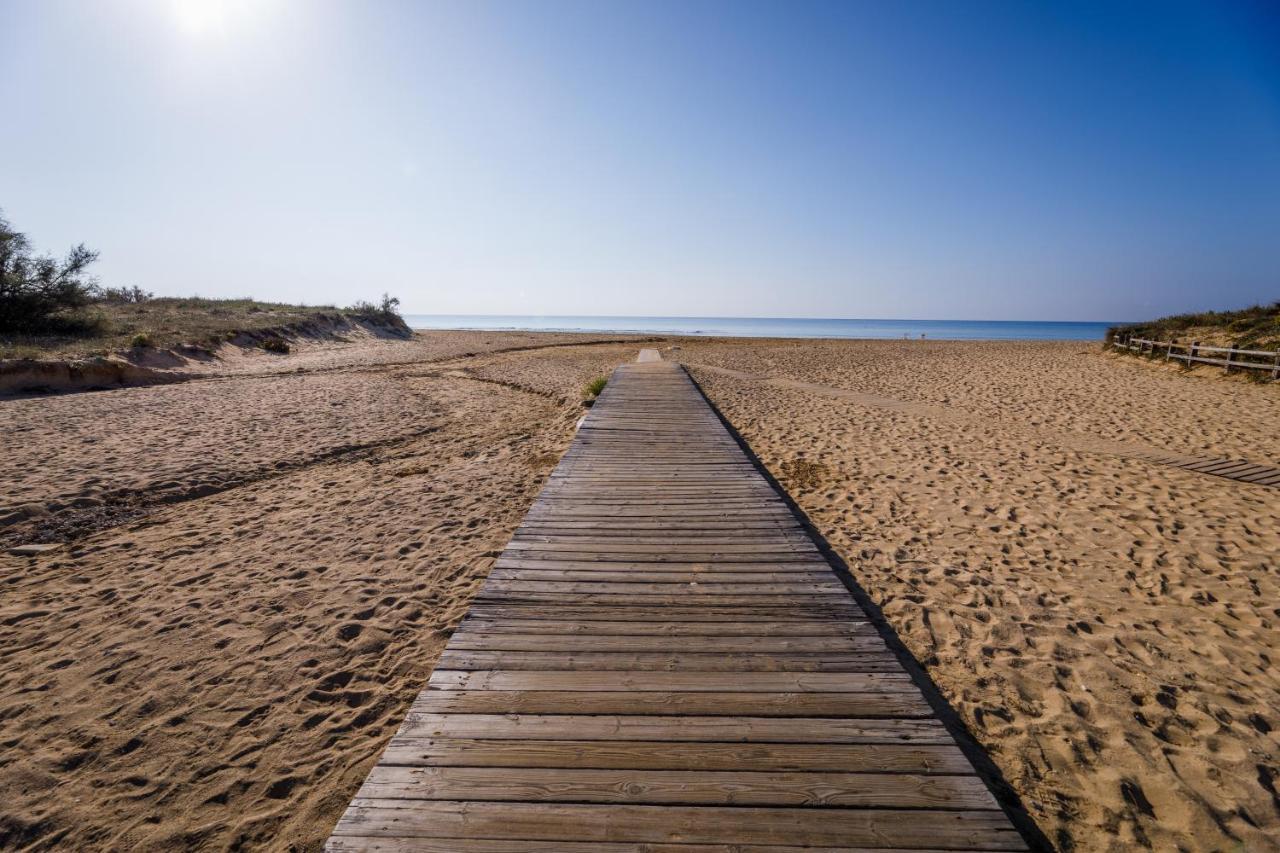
[771,327]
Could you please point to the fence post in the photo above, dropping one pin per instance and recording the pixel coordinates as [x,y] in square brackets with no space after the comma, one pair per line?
[1168,352]
[1193,351]
[1275,371]
[1226,368]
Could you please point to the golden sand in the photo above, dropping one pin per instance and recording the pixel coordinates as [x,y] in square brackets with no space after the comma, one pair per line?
[265,562]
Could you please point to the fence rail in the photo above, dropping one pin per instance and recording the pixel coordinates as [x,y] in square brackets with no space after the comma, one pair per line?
[1194,353]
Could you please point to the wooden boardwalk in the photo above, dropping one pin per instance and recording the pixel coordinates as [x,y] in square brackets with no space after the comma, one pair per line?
[662,661]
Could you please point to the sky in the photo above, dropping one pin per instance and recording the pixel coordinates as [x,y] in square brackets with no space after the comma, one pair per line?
[948,160]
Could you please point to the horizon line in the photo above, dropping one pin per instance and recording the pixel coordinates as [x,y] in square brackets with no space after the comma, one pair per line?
[743,317]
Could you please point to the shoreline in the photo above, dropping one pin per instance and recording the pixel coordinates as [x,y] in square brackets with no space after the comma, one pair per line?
[800,328]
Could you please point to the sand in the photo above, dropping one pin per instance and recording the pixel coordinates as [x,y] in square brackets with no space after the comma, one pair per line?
[264,563]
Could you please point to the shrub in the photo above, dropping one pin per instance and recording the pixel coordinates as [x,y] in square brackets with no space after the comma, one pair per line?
[595,386]
[142,339]
[125,295]
[387,309]
[36,291]
[279,345]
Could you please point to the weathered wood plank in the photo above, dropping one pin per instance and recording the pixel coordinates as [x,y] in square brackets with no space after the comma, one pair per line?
[885,704]
[487,641]
[577,785]
[677,755]
[694,682]
[974,830]
[676,728]
[662,628]
[371,844]
[868,661]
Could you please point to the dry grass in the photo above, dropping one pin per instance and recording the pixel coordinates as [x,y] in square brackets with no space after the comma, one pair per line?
[542,462]
[165,322]
[1251,328]
[803,473]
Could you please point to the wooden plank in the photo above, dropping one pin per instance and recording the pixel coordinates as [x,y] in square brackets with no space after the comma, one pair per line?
[485,641]
[687,599]
[650,576]
[681,755]
[519,585]
[578,785]
[700,611]
[870,661]
[661,628]
[885,704]
[505,562]
[695,682]
[373,844]
[676,728]
[974,830]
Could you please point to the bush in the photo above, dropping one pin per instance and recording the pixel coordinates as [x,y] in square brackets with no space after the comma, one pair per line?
[142,339]
[387,309]
[125,295]
[37,291]
[279,345]
[595,386]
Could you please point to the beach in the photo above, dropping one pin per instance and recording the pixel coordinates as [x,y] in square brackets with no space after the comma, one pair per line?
[261,565]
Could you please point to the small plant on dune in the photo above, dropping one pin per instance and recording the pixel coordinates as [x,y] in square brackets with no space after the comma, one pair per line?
[277,345]
[595,386]
[141,340]
[387,309]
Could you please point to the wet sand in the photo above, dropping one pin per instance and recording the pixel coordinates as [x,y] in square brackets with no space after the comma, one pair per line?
[264,565]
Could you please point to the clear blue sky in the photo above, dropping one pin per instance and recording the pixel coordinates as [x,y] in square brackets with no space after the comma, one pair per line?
[952,160]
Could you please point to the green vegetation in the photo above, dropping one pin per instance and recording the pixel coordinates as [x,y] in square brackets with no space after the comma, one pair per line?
[276,345]
[52,308]
[1251,328]
[387,309]
[595,386]
[39,293]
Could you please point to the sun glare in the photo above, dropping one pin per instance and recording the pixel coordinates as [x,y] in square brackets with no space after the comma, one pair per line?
[210,18]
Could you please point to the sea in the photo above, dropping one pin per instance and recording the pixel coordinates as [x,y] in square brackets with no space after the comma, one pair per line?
[774,327]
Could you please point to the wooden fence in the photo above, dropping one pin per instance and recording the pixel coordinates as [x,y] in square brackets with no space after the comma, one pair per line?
[1196,353]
